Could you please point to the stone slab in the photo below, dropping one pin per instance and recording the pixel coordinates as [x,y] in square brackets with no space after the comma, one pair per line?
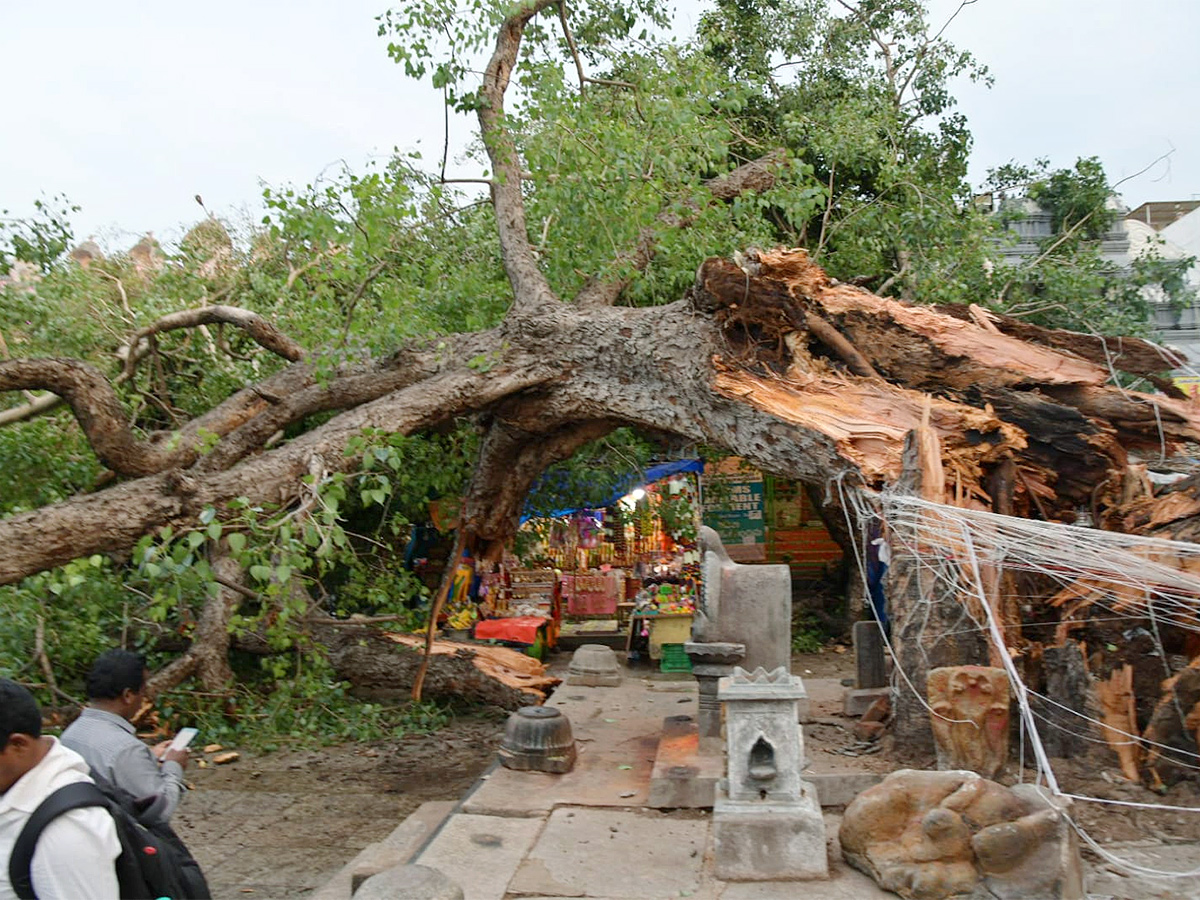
[481,853]
[620,854]
[870,659]
[393,850]
[839,788]
[857,701]
[1105,881]
[592,679]
[684,776]
[616,730]
[409,882]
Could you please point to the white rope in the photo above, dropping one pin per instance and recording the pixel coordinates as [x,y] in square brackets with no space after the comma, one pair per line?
[1128,576]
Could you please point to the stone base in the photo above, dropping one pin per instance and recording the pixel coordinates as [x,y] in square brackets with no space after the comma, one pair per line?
[413,882]
[858,700]
[840,788]
[531,761]
[769,841]
[686,767]
[593,680]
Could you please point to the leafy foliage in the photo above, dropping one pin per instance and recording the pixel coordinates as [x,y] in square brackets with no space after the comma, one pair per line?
[40,239]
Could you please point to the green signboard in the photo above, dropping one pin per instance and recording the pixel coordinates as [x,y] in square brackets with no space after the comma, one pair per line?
[733,507]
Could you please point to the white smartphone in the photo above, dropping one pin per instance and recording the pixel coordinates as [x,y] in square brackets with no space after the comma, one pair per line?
[183,738]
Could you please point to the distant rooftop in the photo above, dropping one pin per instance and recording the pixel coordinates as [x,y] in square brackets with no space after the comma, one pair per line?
[1162,213]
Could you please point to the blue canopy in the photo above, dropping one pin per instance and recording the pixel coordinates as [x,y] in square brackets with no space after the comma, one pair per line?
[635,479]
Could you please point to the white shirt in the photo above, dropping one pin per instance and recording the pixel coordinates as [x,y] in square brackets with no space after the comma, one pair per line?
[75,855]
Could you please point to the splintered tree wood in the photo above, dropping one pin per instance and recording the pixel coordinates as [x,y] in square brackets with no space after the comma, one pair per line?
[1119,719]
[1175,725]
[510,667]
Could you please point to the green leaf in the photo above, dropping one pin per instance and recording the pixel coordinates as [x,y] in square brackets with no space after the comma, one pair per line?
[260,573]
[214,531]
[237,541]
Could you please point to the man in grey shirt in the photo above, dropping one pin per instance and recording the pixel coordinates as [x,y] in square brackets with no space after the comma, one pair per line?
[104,736]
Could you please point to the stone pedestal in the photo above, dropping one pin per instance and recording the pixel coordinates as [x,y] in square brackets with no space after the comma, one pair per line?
[594,665]
[710,663]
[767,823]
[539,739]
[769,841]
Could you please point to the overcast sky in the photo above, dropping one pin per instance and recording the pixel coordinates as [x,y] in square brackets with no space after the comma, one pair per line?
[131,109]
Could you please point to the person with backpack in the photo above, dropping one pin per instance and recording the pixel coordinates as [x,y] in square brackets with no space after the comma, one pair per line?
[75,854]
[104,736]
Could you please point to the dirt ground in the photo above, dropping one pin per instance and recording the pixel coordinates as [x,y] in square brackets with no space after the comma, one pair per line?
[281,824]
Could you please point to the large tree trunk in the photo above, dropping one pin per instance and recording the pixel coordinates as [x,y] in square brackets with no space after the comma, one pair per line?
[713,367]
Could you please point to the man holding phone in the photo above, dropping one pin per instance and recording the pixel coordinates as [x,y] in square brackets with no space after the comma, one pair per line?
[104,736]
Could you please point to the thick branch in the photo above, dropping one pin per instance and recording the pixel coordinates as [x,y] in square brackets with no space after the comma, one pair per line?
[114,519]
[263,331]
[530,288]
[96,407]
[511,459]
[1125,354]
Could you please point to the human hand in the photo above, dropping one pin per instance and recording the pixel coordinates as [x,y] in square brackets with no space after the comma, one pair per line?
[160,748]
[179,756]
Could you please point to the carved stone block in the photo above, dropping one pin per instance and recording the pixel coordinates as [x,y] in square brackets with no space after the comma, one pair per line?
[970,717]
[933,835]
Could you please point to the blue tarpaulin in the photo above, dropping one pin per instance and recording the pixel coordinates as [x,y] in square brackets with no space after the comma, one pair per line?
[635,479]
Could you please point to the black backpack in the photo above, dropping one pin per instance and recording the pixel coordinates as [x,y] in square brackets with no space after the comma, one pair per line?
[154,863]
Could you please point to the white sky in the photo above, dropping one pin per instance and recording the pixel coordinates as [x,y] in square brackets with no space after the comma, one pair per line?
[131,109]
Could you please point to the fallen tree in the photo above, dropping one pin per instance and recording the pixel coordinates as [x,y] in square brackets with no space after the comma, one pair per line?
[765,356]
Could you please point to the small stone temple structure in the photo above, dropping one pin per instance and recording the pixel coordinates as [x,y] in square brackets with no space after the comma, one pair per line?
[767,823]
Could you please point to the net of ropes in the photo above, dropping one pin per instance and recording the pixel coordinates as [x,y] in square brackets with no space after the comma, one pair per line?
[1083,571]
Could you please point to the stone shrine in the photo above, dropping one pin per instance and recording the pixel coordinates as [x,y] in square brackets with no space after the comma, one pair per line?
[749,605]
[767,824]
[970,717]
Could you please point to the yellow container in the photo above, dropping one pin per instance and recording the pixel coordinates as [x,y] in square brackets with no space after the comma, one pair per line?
[669,629]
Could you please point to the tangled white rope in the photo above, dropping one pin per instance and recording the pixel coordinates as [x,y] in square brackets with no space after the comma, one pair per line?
[1127,576]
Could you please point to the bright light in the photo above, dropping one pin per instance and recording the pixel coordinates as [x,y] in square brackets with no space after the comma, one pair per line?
[637,493]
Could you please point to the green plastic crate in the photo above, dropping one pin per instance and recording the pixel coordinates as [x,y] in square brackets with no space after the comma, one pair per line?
[674,659]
